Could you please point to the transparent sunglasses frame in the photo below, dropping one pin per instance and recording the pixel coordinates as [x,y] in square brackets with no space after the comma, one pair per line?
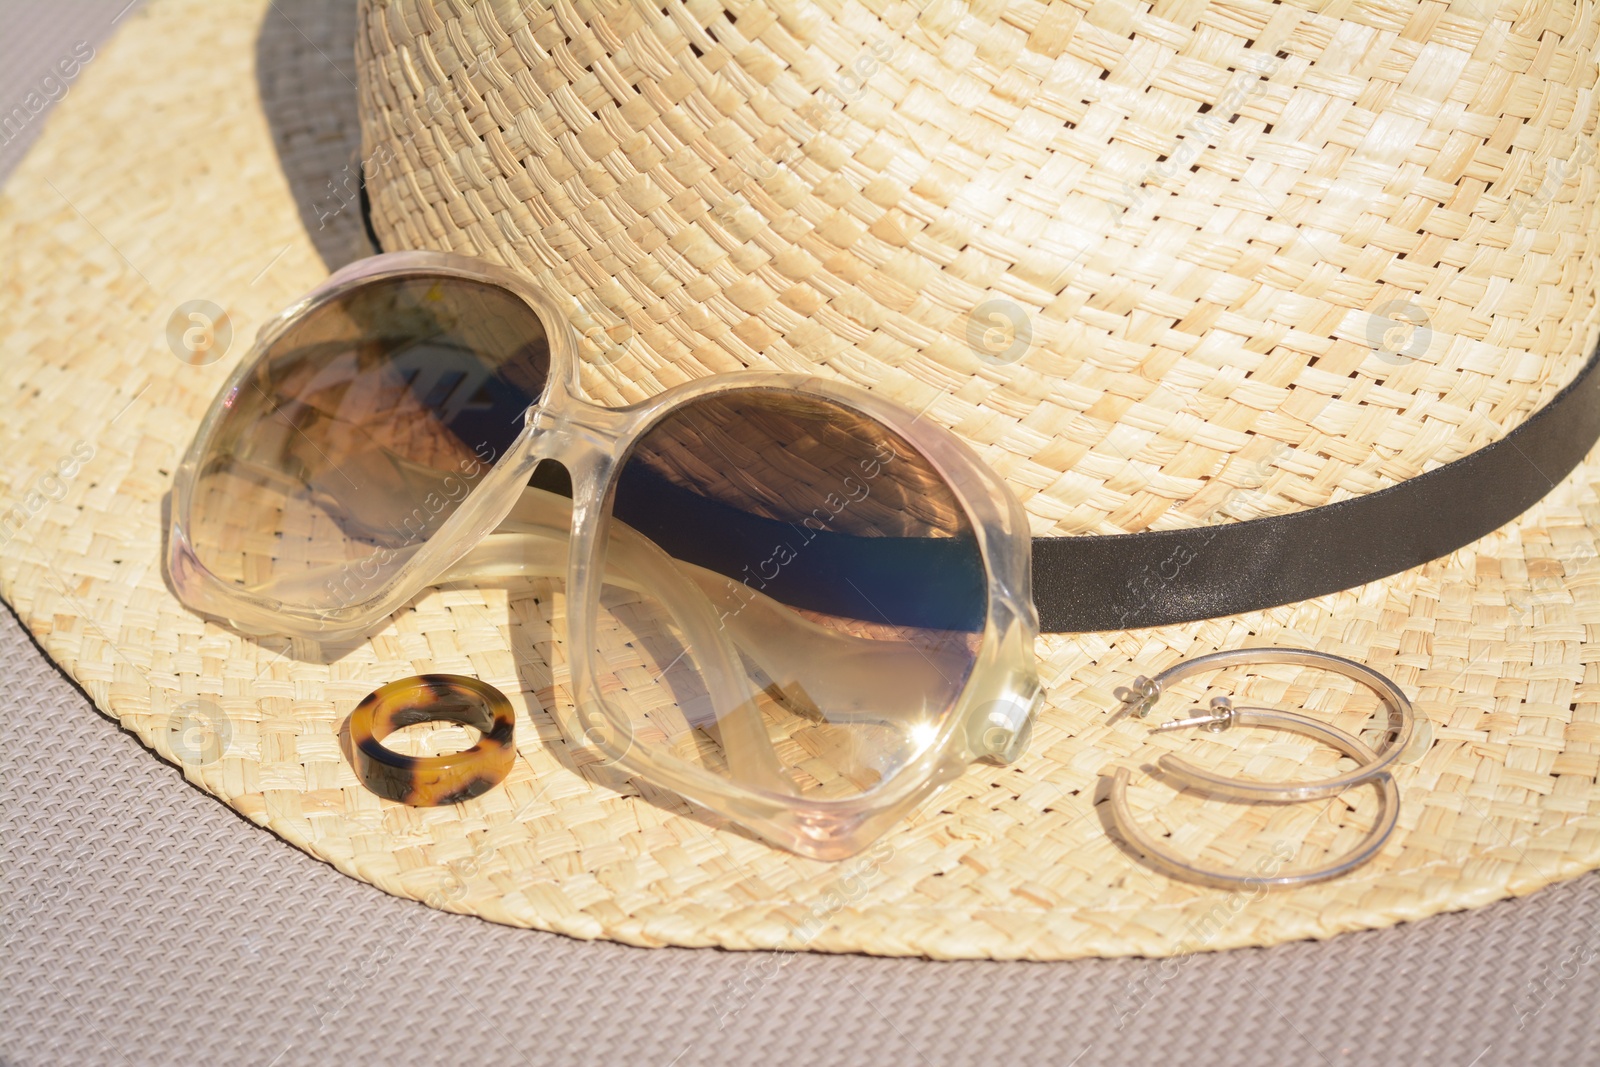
[503,528]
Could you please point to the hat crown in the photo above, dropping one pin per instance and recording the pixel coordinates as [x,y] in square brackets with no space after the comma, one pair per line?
[1163,267]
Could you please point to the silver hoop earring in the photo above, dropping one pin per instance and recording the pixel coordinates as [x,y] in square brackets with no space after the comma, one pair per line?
[1225,716]
[1146,691]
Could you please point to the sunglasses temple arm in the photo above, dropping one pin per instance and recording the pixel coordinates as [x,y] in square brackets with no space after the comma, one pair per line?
[533,542]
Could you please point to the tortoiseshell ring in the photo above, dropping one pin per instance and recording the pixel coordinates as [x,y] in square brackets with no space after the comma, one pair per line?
[426,781]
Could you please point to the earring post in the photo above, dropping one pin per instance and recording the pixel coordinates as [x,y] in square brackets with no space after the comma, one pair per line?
[1211,718]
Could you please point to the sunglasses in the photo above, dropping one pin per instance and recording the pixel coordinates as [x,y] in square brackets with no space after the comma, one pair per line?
[787,600]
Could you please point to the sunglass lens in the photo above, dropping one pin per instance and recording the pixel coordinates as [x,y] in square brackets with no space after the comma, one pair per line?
[358,432]
[795,595]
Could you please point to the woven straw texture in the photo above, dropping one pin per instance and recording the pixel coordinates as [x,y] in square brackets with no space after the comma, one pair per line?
[139,198]
[143,925]
[1141,258]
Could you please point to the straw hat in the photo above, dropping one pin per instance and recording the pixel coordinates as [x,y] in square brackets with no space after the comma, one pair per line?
[1166,266]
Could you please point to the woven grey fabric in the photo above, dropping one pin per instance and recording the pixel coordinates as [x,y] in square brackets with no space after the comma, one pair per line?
[144,922]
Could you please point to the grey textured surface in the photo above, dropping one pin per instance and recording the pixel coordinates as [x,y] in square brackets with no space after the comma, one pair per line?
[143,922]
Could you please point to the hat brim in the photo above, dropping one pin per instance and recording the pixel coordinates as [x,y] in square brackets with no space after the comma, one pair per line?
[215,174]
